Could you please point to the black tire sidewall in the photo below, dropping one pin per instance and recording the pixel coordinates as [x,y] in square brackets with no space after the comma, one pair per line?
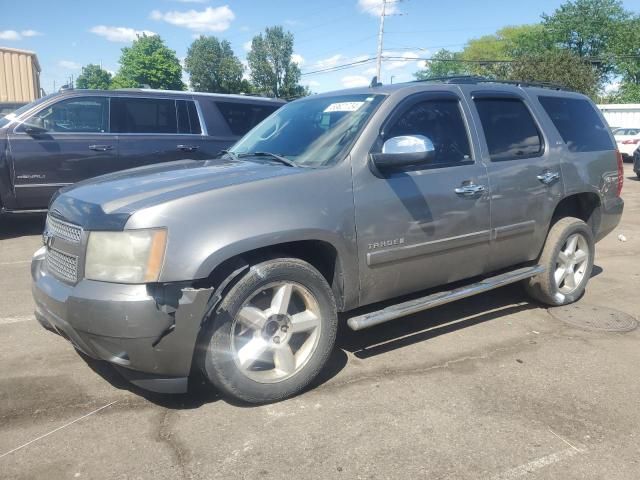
[559,298]
[217,362]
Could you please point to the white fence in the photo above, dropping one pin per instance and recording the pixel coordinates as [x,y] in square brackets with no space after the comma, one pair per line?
[622,115]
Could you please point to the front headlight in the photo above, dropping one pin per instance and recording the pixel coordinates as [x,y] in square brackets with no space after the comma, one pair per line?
[131,256]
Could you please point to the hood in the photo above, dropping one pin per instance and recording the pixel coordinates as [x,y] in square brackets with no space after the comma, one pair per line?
[106,202]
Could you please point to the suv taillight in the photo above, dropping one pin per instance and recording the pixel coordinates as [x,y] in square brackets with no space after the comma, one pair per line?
[620,172]
[633,141]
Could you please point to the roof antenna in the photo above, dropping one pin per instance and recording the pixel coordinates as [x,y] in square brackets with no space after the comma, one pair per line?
[375,82]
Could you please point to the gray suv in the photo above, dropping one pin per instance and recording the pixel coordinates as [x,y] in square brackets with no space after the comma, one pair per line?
[238,266]
[78,134]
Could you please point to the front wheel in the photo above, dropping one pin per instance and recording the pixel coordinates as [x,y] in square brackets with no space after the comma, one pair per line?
[568,256]
[272,333]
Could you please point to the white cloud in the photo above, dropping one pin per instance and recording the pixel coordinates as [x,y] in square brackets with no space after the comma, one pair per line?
[311,83]
[374,7]
[298,59]
[370,71]
[30,33]
[247,45]
[329,62]
[9,35]
[15,35]
[119,34]
[351,81]
[403,59]
[69,65]
[210,19]
[192,1]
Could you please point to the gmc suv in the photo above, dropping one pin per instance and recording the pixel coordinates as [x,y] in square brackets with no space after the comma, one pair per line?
[238,266]
[77,134]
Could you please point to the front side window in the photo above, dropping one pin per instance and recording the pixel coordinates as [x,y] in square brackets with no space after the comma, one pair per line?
[143,115]
[242,117]
[312,132]
[579,124]
[441,122]
[73,115]
[509,128]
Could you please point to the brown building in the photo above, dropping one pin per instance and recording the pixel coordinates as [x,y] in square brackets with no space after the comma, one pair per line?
[19,75]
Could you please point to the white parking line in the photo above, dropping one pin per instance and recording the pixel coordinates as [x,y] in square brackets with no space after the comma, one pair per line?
[19,262]
[8,320]
[535,465]
[57,429]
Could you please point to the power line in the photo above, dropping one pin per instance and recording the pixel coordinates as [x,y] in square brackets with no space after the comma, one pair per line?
[365,61]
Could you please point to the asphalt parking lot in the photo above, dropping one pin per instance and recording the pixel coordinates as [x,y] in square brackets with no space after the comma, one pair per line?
[493,387]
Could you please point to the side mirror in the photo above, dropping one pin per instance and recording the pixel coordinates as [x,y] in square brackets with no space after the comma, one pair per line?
[33,130]
[404,151]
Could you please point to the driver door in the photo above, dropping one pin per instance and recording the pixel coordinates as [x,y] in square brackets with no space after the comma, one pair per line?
[61,144]
[426,225]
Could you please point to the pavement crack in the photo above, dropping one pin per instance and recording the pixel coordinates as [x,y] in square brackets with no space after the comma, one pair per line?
[166,435]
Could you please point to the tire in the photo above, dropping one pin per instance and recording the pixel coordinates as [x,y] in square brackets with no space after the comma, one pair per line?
[551,287]
[256,349]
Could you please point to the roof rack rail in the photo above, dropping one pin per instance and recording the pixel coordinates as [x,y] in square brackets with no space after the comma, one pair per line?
[473,79]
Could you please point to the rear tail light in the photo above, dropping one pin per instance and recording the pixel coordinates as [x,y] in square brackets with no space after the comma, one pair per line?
[620,172]
[633,141]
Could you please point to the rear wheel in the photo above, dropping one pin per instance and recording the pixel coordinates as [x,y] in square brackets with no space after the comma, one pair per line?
[568,256]
[272,333]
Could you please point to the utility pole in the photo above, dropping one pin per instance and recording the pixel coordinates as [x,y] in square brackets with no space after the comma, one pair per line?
[380,36]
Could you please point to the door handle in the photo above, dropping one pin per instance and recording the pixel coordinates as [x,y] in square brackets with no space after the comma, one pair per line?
[470,190]
[187,148]
[548,177]
[100,148]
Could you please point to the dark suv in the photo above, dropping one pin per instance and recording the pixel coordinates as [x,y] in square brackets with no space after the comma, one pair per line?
[77,134]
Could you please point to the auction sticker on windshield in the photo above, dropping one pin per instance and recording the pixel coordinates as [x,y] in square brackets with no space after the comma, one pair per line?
[343,107]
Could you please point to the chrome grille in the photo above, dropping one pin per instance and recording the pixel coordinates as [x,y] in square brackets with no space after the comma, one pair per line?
[66,231]
[62,265]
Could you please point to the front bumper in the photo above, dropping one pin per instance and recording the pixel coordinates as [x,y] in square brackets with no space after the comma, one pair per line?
[149,330]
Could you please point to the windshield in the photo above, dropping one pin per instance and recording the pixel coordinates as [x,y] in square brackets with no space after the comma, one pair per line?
[4,121]
[312,132]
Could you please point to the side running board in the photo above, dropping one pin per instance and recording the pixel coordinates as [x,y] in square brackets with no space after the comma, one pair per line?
[440,298]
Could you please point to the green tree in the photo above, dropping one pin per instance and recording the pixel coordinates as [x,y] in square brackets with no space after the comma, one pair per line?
[443,63]
[588,28]
[627,93]
[561,67]
[501,47]
[149,62]
[273,73]
[213,67]
[94,76]
[627,49]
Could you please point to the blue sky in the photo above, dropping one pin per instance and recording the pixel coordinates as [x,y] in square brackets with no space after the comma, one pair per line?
[66,35]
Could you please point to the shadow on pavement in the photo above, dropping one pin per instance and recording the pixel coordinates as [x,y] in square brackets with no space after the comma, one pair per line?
[435,322]
[14,226]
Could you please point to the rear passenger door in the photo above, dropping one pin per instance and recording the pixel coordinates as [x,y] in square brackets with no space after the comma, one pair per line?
[524,173]
[156,130]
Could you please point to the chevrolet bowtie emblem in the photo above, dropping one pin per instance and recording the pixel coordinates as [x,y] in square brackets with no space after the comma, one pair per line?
[47,239]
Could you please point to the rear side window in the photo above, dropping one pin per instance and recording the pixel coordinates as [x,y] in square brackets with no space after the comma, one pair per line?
[242,117]
[509,128]
[143,115]
[578,123]
[188,121]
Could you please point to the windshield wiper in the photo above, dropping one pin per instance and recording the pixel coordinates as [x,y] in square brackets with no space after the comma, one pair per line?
[273,156]
[230,153]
